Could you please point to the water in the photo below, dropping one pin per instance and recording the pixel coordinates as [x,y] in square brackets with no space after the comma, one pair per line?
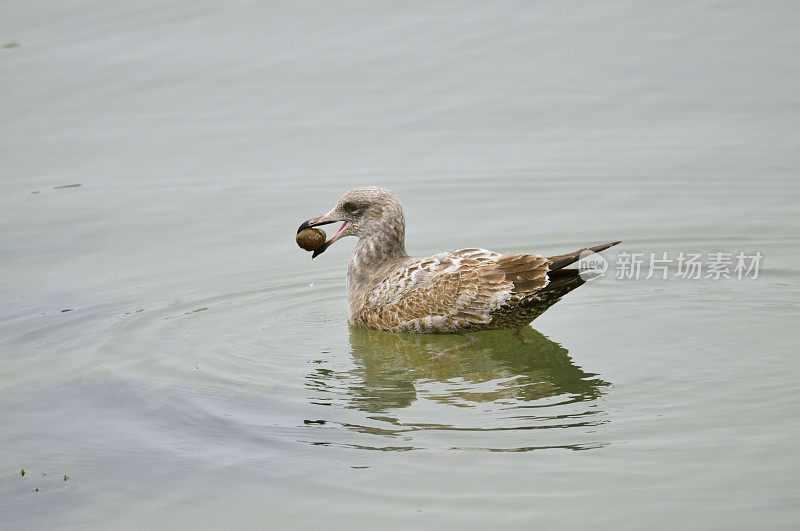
[166,346]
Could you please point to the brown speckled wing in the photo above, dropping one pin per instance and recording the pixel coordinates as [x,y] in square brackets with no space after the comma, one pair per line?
[448,291]
[527,272]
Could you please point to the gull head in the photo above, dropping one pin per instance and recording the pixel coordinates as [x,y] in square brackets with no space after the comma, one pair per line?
[367,212]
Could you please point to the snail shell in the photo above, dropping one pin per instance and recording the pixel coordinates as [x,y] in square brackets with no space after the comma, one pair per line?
[311,239]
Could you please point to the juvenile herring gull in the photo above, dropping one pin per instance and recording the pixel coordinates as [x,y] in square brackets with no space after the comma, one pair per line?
[452,292]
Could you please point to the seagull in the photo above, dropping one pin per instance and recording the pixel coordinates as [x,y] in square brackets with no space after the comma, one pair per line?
[454,292]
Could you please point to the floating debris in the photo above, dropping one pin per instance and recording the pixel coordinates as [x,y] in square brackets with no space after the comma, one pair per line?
[21,471]
[66,186]
[320,422]
[11,44]
[66,310]
[187,313]
[66,477]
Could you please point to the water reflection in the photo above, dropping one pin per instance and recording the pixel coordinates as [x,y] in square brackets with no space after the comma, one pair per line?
[501,366]
[505,381]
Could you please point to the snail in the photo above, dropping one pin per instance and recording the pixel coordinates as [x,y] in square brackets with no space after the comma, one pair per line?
[311,239]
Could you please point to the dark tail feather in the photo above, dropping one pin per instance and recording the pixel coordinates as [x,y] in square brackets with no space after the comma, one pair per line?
[563,260]
[564,280]
[561,282]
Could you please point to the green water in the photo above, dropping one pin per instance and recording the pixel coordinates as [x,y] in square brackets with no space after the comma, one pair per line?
[204,374]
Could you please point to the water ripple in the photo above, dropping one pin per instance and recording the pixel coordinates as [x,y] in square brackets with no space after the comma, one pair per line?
[410,386]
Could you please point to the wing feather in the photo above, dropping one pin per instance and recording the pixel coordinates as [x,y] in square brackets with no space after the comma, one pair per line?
[452,291]
[461,286]
[527,272]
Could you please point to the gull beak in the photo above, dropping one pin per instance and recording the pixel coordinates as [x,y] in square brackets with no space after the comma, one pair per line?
[314,222]
[323,220]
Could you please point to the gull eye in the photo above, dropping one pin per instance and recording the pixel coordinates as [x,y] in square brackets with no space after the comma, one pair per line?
[350,208]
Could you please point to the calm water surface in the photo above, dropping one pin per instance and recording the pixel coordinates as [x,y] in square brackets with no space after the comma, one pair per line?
[166,346]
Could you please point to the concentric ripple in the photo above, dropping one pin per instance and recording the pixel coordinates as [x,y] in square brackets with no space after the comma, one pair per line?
[288,347]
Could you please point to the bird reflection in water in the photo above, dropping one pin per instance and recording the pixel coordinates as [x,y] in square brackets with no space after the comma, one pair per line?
[508,368]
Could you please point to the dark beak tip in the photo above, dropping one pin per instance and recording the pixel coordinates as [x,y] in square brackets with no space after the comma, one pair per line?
[303,226]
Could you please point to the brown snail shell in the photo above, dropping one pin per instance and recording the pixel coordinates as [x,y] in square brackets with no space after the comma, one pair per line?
[311,239]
